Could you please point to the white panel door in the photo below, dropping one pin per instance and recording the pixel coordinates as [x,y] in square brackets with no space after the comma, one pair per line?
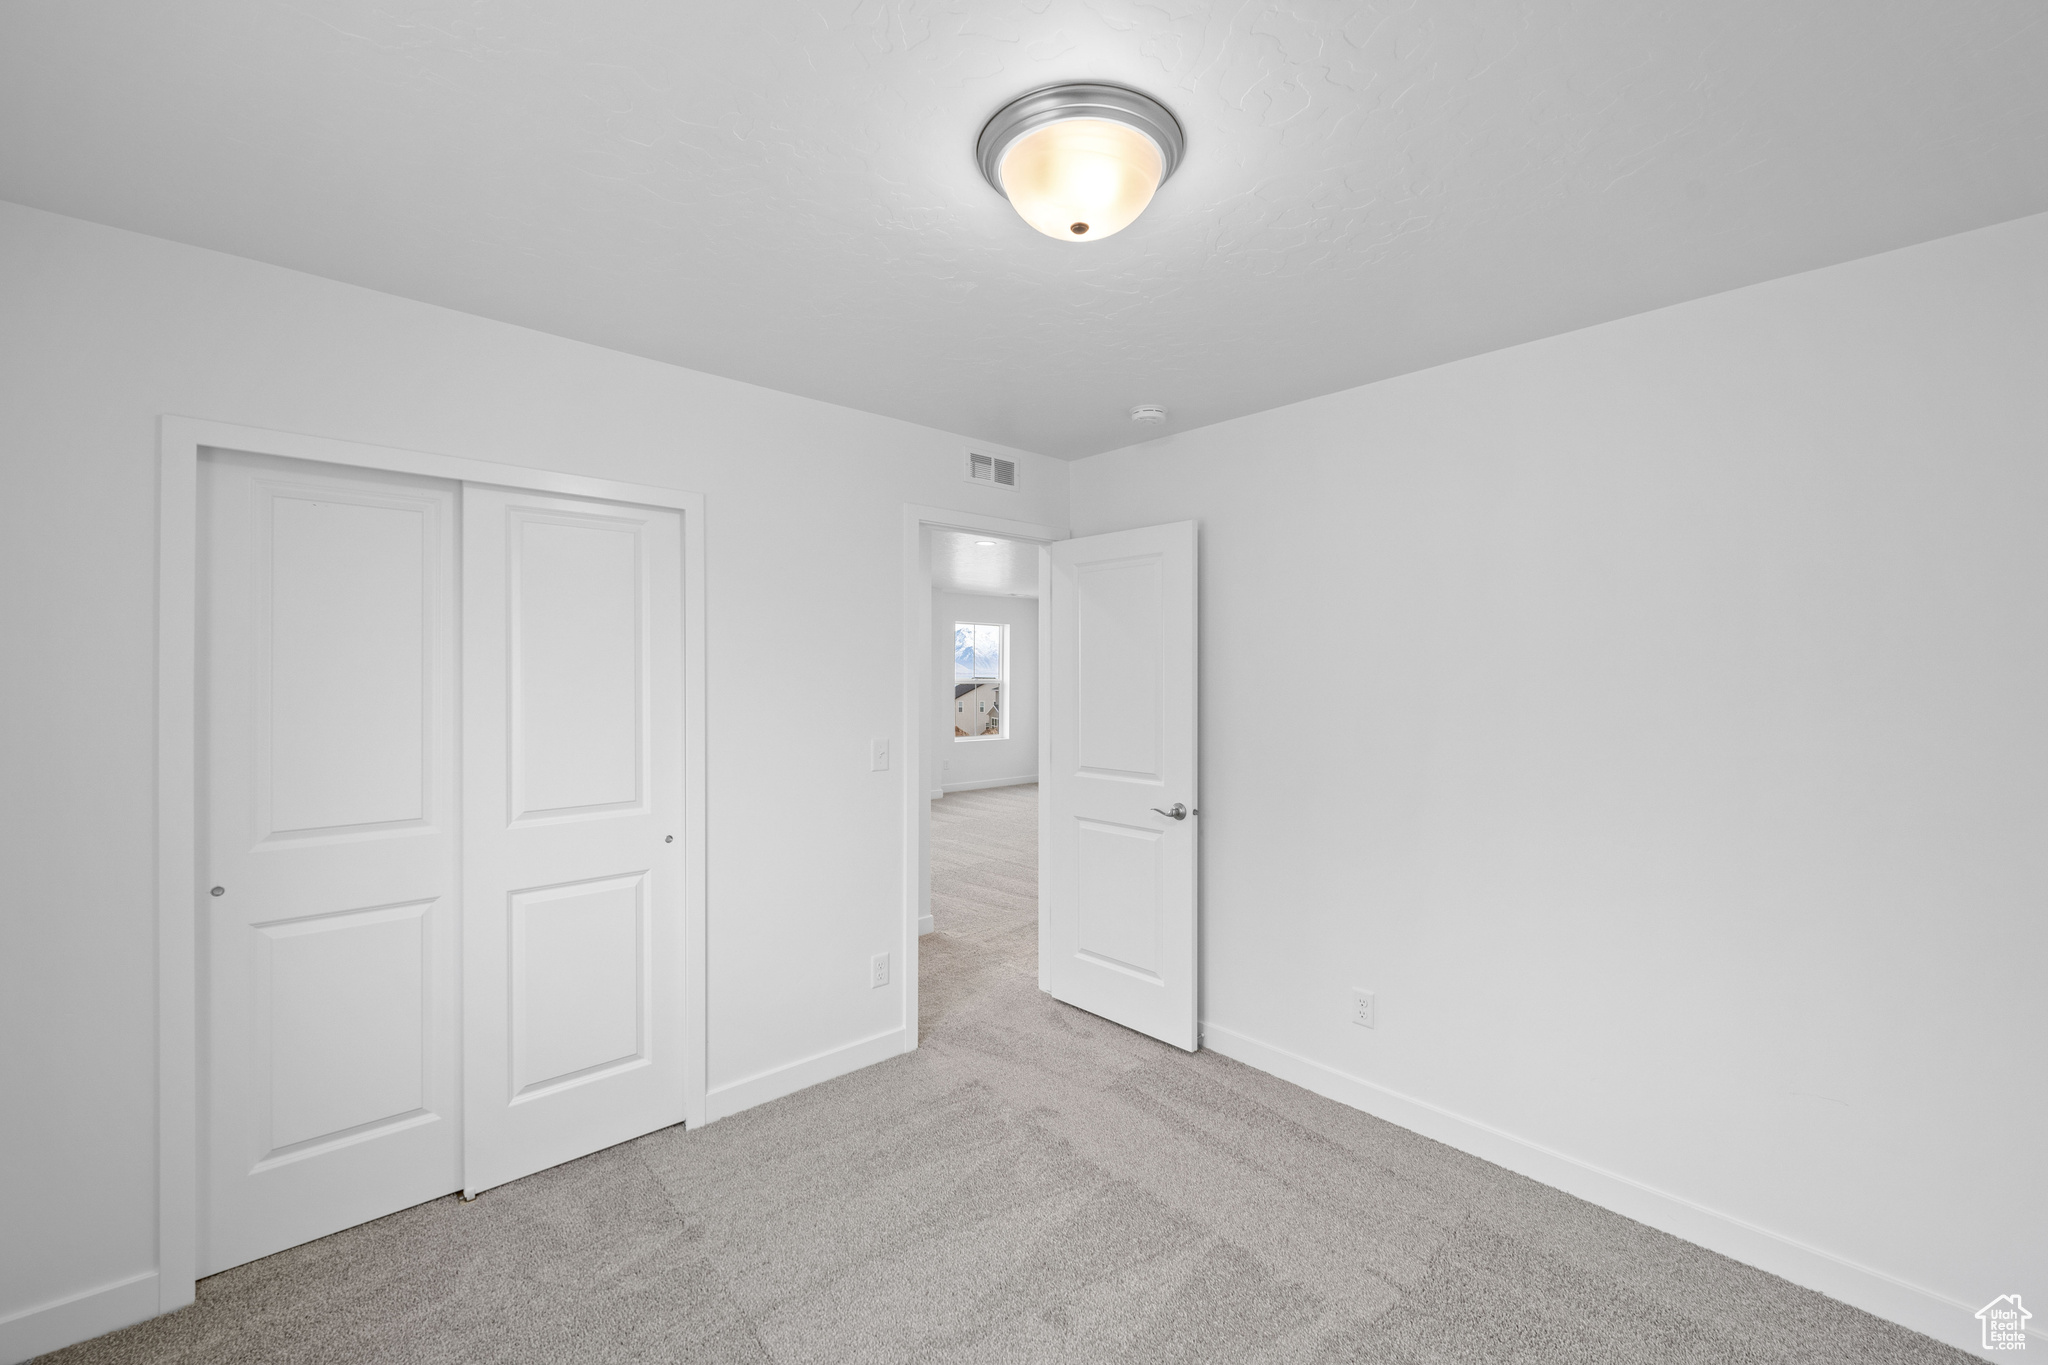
[1117,929]
[328,850]
[573,847]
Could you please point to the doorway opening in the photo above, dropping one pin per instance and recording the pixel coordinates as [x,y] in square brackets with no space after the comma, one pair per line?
[983,758]
[972,741]
[1091,874]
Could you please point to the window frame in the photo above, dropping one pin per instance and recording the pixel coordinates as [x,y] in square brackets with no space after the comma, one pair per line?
[1001,680]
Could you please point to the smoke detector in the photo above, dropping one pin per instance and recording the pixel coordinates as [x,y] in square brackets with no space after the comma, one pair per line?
[1148,414]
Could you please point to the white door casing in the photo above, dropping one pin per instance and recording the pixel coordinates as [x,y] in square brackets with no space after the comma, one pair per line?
[328,819]
[1118,921]
[574,841]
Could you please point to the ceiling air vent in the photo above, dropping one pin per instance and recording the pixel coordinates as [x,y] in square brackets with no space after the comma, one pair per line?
[991,469]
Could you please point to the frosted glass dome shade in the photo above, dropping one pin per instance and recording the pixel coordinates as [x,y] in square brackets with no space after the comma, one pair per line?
[1081,179]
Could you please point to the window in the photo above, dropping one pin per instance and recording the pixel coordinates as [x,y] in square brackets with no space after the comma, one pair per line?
[978,661]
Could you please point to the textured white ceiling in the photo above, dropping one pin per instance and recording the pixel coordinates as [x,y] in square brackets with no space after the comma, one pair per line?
[960,563]
[785,193]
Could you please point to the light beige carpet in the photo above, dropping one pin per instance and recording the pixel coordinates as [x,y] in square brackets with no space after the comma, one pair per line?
[1032,1184]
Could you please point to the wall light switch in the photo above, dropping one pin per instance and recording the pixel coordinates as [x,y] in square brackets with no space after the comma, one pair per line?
[878,971]
[878,760]
[1363,1008]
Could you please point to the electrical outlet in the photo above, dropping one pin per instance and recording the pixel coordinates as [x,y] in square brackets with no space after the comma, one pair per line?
[878,971]
[1363,1008]
[878,757]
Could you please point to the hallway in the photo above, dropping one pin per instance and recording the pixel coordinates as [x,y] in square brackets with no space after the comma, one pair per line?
[984,898]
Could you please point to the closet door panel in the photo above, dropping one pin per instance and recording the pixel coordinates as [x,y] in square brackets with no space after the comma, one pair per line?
[573,770]
[329,824]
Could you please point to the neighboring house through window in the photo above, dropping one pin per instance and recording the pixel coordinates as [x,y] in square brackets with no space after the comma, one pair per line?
[978,660]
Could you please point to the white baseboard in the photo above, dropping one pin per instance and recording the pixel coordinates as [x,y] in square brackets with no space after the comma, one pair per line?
[776,1082]
[989,782]
[924,925]
[81,1317]
[938,792]
[1939,1316]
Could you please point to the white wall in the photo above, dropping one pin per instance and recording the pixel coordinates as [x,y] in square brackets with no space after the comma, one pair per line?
[986,761]
[101,332]
[1686,806]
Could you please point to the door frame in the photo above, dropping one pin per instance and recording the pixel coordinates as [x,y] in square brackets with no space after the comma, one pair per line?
[917,673]
[180,440]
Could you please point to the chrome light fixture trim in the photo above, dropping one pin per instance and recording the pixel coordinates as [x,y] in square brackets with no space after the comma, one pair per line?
[1054,103]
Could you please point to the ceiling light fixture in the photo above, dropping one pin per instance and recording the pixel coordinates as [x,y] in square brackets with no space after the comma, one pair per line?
[1080,162]
[984,542]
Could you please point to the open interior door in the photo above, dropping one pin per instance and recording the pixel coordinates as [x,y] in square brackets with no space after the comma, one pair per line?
[1117,921]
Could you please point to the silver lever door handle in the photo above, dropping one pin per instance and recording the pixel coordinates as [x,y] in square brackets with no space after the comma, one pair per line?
[1179,811]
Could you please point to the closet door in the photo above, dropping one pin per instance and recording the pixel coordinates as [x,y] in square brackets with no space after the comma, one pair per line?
[328,850]
[573,847]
